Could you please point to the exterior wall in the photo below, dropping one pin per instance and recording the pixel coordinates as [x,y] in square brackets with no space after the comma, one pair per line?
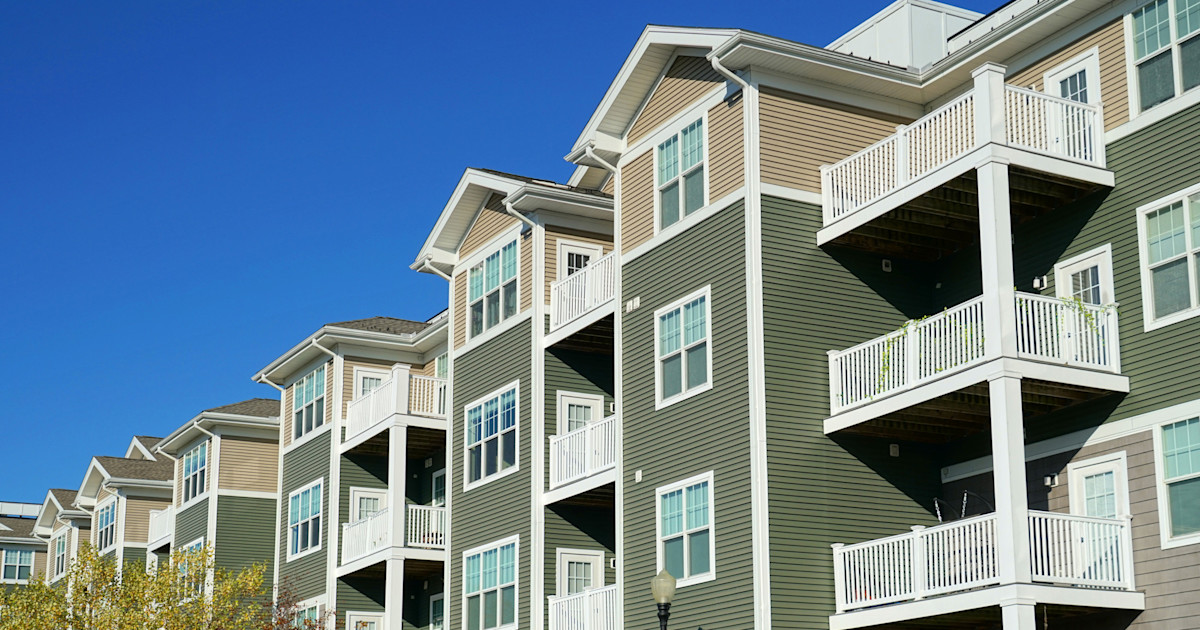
[191,523]
[460,305]
[801,133]
[416,611]
[307,463]
[637,201]
[249,464]
[135,556]
[687,81]
[609,186]
[490,224]
[578,527]
[137,517]
[709,431]
[358,593]
[348,365]
[554,234]
[288,396]
[578,372]
[245,534]
[359,471]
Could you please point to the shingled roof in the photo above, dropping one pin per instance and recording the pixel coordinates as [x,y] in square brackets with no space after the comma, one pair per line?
[16,527]
[147,441]
[65,498]
[137,468]
[260,407]
[389,325]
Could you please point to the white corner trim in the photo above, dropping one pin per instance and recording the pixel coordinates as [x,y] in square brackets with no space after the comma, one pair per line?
[498,329]
[791,194]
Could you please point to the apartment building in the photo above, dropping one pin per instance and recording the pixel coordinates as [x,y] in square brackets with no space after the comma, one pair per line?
[361,527]
[22,552]
[62,526]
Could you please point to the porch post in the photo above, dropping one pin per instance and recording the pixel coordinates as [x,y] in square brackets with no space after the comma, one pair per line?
[397,475]
[393,598]
[996,258]
[1018,614]
[1008,471]
[400,381]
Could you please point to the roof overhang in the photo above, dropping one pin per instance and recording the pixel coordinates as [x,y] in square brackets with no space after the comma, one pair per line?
[136,446]
[210,422]
[51,511]
[473,190]
[571,203]
[97,478]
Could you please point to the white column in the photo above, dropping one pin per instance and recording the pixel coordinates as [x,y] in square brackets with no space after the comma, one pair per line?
[989,104]
[400,378]
[393,599]
[397,471]
[996,258]
[1018,614]
[1008,457]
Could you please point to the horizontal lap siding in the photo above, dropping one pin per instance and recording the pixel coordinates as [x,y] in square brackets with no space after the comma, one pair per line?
[135,556]
[726,151]
[301,466]
[554,234]
[819,492]
[637,201]
[288,397]
[709,431]
[359,593]
[461,316]
[245,534]
[191,523]
[688,79]
[576,372]
[137,517]
[359,471]
[491,222]
[577,527]
[178,499]
[249,464]
[525,283]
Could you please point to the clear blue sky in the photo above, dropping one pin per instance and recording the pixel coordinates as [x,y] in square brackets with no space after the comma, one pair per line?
[190,188]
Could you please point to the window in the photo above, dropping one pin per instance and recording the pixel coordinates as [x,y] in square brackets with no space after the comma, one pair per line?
[59,548]
[191,552]
[1179,490]
[106,526]
[308,616]
[308,402]
[1087,277]
[575,256]
[366,380]
[366,502]
[492,435]
[1077,80]
[575,411]
[438,488]
[437,612]
[684,364]
[1166,49]
[493,288]
[441,366]
[490,587]
[578,570]
[364,621]
[18,564]
[195,463]
[1098,486]
[304,520]
[1169,243]
[679,174]
[686,547]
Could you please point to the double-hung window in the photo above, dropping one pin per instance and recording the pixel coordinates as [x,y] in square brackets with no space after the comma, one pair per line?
[679,174]
[18,564]
[1166,49]
[492,285]
[1169,235]
[1180,446]
[106,526]
[304,520]
[492,434]
[308,402]
[686,547]
[490,587]
[59,547]
[195,465]
[683,342]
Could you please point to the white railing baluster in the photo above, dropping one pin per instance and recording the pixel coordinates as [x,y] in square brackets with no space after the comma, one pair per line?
[582,291]
[583,452]
[426,526]
[365,536]
[593,609]
[402,393]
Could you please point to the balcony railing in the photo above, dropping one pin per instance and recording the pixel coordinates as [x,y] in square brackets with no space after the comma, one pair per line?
[1033,121]
[403,393]
[366,536]
[426,526]
[584,451]
[1065,549]
[582,291]
[596,609]
[162,524]
[1055,330]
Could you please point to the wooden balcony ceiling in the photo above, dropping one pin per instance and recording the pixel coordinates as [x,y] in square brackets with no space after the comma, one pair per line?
[422,443]
[967,411]
[602,497]
[988,618]
[946,219]
[597,338]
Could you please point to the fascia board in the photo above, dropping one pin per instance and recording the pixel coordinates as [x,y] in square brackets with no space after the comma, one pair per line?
[470,177]
[534,198]
[123,482]
[94,468]
[186,433]
[13,540]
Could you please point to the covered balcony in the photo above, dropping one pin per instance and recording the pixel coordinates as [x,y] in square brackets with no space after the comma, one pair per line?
[424,527]
[584,459]
[161,528]
[595,609]
[583,300]
[422,399]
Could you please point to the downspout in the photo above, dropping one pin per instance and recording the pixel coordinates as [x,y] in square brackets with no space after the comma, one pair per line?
[427,265]
[729,74]
[605,165]
[513,211]
[262,378]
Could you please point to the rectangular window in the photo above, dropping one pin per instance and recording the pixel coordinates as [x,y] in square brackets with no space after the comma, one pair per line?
[686,545]
[1166,49]
[683,346]
[308,617]
[195,465]
[366,380]
[490,587]
[18,564]
[679,174]
[1181,477]
[106,526]
[304,520]
[308,403]
[492,435]
[1169,239]
[492,289]
[59,547]
[437,612]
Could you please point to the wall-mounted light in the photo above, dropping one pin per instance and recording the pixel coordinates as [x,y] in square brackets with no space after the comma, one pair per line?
[1039,282]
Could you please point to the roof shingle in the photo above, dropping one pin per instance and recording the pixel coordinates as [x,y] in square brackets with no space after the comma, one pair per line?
[137,468]
[65,498]
[259,407]
[389,325]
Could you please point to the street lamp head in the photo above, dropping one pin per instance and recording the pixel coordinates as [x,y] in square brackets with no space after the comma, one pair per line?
[663,587]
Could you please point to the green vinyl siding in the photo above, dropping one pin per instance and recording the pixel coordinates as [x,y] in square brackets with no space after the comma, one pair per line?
[191,523]
[416,606]
[361,593]
[576,372]
[502,507]
[301,466]
[709,431]
[359,471]
[578,527]
[135,556]
[245,535]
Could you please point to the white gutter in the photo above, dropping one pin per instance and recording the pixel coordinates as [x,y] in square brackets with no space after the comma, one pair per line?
[427,265]
[605,165]
[508,207]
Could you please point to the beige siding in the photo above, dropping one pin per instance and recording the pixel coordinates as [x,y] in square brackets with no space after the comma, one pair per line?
[554,234]
[688,79]
[637,201]
[609,186]
[249,464]
[429,369]
[799,134]
[39,563]
[491,222]
[137,517]
[1114,93]
[460,309]
[525,284]
[285,422]
[726,165]
[348,365]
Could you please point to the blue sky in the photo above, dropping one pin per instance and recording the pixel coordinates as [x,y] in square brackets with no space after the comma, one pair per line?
[190,188]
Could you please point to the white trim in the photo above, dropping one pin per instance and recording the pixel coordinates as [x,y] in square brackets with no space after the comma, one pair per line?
[1155,115]
[308,437]
[484,480]
[434,598]
[563,398]
[116,523]
[1172,47]
[684,225]
[494,246]
[1100,257]
[355,617]
[1165,539]
[595,556]
[32,561]
[288,417]
[515,540]
[1089,62]
[206,443]
[359,372]
[315,546]
[1149,321]
[565,247]
[659,402]
[358,492]
[711,575]
[1115,463]
[672,126]
[63,534]
[789,193]
[441,472]
[249,494]
[319,602]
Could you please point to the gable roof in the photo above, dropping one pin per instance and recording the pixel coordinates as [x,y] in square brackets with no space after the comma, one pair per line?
[16,527]
[382,324]
[122,468]
[143,445]
[64,497]
[259,407]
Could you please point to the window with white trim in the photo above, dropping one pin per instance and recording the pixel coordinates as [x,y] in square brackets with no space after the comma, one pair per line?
[1180,444]
[492,288]
[679,174]
[1169,243]
[437,612]
[686,544]
[191,552]
[1086,278]
[366,380]
[18,565]
[683,340]
[308,402]
[1166,50]
[492,435]
[195,466]
[304,520]
[490,587]
[576,411]
[59,549]
[1077,80]
[308,616]
[106,526]
[573,257]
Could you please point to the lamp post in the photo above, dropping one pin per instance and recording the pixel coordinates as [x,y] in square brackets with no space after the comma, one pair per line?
[663,589]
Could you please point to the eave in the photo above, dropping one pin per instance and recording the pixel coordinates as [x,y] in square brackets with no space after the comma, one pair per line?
[206,421]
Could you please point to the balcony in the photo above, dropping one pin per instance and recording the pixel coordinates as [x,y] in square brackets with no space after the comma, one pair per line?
[425,529]
[402,394]
[582,298]
[582,457]
[596,609]
[162,527]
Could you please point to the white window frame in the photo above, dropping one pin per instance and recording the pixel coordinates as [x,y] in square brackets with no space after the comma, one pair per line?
[1112,462]
[564,554]
[4,564]
[360,372]
[316,604]
[1131,63]
[357,493]
[1100,257]
[440,597]
[596,401]
[1149,322]
[566,247]
[514,540]
[441,472]
[703,164]
[319,423]
[1166,540]
[324,524]
[353,618]
[659,401]
[184,499]
[195,545]
[109,503]
[496,246]
[1089,62]
[499,474]
[712,527]
[64,539]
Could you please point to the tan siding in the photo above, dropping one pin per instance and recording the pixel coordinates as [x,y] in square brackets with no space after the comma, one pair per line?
[609,186]
[348,365]
[726,165]
[179,472]
[137,517]
[554,234]
[491,222]
[39,563]
[58,526]
[637,202]
[525,284]
[688,79]
[429,369]
[799,134]
[285,421]
[249,464]
[1114,93]
[460,309]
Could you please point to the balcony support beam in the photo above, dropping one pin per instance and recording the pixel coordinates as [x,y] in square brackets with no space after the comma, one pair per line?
[1018,614]
[1008,456]
[393,599]
[996,258]
[397,477]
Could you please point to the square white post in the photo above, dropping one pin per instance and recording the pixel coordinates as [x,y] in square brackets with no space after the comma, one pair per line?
[1008,457]
[989,104]
[996,258]
[1018,614]
[400,382]
[397,471]
[393,599]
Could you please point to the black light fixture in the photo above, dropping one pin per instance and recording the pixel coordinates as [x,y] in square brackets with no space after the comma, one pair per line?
[663,589]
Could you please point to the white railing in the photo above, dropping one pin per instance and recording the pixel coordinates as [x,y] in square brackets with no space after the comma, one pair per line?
[365,536]
[1068,331]
[596,609]
[584,451]
[1032,121]
[1065,549]
[427,396]
[426,526]
[921,350]
[162,524]
[583,290]
[403,393]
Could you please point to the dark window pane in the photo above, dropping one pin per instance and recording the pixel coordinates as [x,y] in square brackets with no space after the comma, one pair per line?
[473,612]
[508,605]
[673,557]
[299,423]
[489,609]
[509,449]
[316,530]
[510,299]
[493,308]
[490,455]
[1171,291]
[477,318]
[1185,506]
[1189,58]
[697,365]
[698,559]
[672,376]
[320,413]
[669,204]
[693,191]
[476,463]
[1156,80]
